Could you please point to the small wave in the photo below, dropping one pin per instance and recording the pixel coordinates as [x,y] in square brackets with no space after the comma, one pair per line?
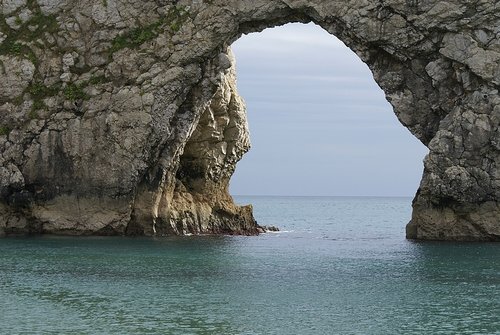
[279,232]
[346,239]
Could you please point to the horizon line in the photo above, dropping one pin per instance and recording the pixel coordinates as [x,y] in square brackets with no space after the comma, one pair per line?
[323,196]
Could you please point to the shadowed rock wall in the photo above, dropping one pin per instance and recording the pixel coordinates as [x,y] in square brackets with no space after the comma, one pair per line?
[122,117]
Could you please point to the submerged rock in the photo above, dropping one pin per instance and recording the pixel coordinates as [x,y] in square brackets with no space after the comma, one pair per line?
[268,229]
[123,117]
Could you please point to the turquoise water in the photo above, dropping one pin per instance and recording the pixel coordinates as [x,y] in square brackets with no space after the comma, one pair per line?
[341,266]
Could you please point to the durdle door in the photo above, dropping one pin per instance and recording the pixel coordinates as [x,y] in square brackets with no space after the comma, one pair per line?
[122,117]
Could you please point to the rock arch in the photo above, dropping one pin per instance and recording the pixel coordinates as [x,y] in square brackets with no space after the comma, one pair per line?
[120,117]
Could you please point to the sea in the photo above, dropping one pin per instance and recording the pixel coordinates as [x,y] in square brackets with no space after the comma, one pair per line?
[339,265]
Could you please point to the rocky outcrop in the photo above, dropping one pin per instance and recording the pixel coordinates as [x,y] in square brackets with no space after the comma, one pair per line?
[121,117]
[197,200]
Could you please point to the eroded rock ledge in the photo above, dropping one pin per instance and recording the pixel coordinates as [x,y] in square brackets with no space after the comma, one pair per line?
[122,117]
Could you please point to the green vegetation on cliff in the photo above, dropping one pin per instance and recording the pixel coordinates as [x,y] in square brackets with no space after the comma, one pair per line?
[4,130]
[18,41]
[135,37]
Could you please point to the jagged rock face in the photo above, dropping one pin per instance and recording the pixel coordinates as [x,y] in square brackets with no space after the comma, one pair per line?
[121,117]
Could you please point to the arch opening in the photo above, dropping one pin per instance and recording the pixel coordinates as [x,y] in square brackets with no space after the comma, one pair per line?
[319,124]
[351,133]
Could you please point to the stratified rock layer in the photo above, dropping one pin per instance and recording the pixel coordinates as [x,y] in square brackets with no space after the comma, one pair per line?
[122,117]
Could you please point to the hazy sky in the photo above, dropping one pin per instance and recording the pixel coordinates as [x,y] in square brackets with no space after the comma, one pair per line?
[319,123]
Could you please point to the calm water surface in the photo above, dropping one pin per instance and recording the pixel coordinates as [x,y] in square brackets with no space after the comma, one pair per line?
[341,266]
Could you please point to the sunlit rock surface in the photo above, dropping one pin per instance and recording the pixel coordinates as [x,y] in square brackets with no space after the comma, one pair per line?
[122,117]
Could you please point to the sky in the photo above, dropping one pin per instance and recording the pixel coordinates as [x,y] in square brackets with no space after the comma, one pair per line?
[319,124]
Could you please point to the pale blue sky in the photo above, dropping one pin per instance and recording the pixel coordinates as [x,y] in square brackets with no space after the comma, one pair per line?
[319,123]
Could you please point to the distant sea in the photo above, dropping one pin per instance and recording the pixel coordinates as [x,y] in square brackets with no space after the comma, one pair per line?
[339,266]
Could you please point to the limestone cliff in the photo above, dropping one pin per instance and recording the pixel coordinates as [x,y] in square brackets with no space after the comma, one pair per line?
[121,117]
